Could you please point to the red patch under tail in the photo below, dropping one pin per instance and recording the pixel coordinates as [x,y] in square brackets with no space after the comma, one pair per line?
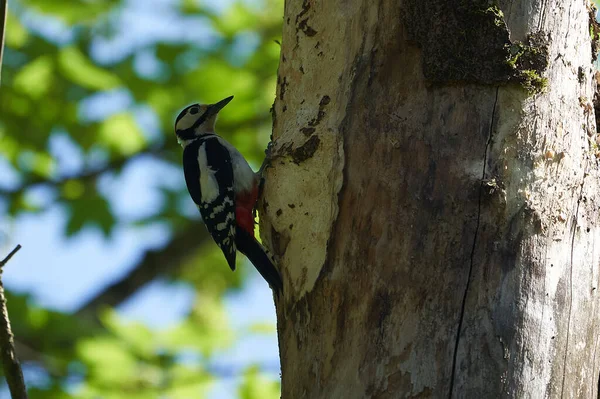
[244,207]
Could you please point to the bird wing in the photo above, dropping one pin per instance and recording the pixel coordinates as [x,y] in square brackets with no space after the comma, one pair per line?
[209,178]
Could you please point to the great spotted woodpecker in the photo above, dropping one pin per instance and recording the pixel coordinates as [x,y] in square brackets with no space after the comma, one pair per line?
[223,186]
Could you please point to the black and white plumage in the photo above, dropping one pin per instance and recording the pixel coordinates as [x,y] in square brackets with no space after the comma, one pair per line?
[209,177]
[223,186]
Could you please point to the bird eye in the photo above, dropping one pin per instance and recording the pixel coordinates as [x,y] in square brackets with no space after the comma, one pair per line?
[194,110]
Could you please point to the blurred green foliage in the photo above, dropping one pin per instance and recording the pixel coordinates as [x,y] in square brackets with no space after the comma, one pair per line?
[48,76]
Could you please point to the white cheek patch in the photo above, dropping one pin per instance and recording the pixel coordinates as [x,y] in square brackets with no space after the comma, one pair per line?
[208,182]
[186,122]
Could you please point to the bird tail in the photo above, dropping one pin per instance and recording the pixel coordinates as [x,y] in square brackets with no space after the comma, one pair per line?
[247,245]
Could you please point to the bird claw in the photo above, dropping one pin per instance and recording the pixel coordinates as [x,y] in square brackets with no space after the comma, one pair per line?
[266,162]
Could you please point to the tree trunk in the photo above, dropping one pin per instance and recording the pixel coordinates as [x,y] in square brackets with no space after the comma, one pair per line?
[434,199]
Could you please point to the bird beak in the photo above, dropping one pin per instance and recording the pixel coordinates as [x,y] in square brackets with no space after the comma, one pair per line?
[215,108]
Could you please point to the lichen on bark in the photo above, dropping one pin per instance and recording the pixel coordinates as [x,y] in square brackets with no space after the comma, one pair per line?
[469,41]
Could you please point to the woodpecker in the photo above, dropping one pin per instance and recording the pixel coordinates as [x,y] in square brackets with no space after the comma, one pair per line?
[223,186]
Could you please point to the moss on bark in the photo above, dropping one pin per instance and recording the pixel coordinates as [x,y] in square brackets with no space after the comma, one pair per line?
[468,41]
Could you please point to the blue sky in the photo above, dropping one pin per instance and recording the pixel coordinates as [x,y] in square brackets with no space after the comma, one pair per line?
[63,273]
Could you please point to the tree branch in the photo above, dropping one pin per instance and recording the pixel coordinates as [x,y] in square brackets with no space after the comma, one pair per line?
[3,14]
[10,363]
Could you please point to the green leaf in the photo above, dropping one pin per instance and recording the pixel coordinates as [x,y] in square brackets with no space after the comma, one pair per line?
[38,317]
[20,203]
[262,328]
[213,277]
[89,210]
[38,163]
[205,330]
[72,11]
[188,382]
[210,78]
[72,189]
[9,146]
[137,336]
[163,99]
[238,17]
[190,6]
[35,78]
[121,134]
[54,393]
[16,33]
[108,360]
[76,67]
[256,386]
[196,390]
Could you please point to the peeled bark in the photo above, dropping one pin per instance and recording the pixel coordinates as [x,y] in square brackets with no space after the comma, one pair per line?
[433,199]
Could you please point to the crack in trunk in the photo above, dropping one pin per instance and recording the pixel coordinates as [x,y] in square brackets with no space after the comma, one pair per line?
[464,299]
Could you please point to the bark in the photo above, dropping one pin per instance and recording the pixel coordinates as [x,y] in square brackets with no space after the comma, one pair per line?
[433,199]
[10,363]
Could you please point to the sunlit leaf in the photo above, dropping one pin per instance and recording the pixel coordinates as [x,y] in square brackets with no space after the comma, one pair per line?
[256,386]
[262,328]
[205,330]
[210,78]
[238,17]
[79,69]
[137,336]
[164,98]
[38,317]
[38,163]
[35,79]
[16,34]
[73,10]
[188,382]
[196,389]
[9,147]
[108,360]
[121,133]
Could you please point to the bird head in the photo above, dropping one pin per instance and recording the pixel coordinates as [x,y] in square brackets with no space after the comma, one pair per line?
[197,119]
